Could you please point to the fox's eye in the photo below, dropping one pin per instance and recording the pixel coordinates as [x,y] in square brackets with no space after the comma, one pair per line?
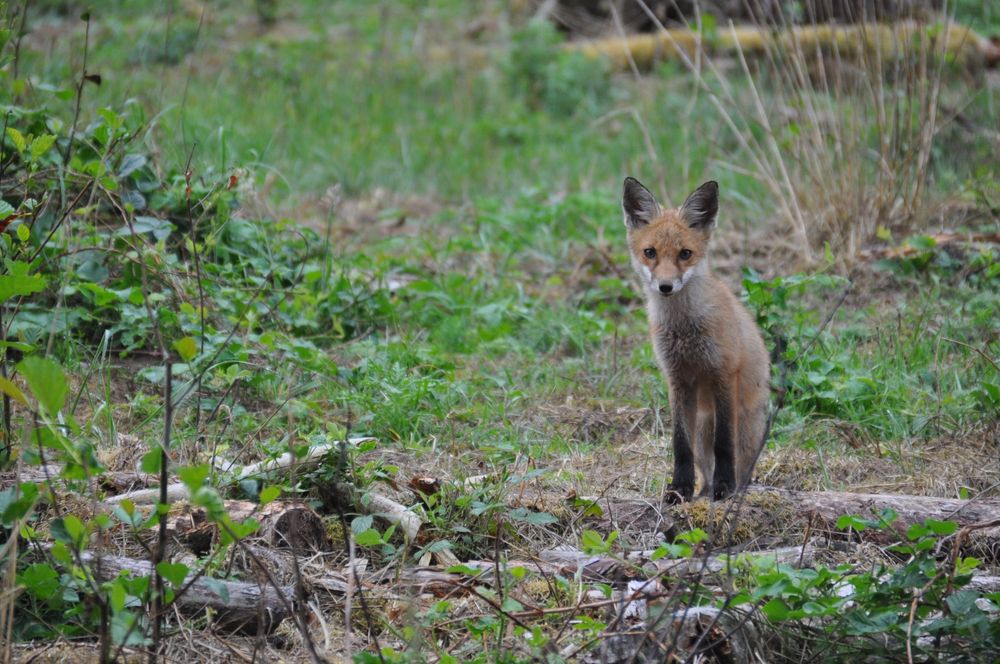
[649,253]
[685,254]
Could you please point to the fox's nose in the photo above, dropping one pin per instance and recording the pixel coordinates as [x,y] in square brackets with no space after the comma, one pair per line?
[667,288]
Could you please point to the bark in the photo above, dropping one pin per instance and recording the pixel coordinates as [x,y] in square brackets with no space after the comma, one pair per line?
[818,510]
[106,482]
[589,18]
[287,461]
[634,568]
[368,502]
[963,44]
[798,556]
[829,506]
[984,584]
[246,608]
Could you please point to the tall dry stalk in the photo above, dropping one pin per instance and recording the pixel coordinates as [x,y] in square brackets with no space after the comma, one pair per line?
[839,129]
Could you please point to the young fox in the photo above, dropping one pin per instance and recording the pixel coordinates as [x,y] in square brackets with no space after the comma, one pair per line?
[705,341]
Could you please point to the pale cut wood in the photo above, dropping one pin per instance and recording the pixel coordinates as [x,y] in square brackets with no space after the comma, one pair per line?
[287,460]
[175,492]
[378,505]
[369,502]
[984,584]
[822,509]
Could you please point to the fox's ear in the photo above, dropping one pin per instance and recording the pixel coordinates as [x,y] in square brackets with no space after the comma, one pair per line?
[702,206]
[639,204]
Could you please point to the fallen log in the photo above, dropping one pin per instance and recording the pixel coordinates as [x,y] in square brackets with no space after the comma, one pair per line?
[106,481]
[367,503]
[984,584]
[887,40]
[594,17]
[235,606]
[766,511]
[378,505]
[633,568]
[798,556]
[829,506]
[288,460]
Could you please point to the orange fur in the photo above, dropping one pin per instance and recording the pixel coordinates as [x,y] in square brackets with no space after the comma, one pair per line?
[705,341]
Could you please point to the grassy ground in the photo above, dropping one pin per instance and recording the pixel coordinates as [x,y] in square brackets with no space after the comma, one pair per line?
[403,222]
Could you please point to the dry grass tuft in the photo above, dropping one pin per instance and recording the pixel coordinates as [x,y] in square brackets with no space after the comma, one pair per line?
[942,467]
[840,134]
[759,517]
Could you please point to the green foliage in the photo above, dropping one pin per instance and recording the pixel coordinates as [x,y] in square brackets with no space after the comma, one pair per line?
[47,382]
[854,372]
[549,77]
[921,604]
[591,542]
[455,333]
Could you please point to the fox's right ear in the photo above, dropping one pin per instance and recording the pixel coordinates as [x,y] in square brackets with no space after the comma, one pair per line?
[639,204]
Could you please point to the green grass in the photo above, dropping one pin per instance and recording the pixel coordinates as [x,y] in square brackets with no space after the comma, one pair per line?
[517,295]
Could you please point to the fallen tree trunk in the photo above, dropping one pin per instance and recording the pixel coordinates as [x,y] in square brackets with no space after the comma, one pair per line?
[763,509]
[288,460]
[798,556]
[633,568]
[984,584]
[594,17]
[246,608]
[887,40]
[831,505]
[107,481]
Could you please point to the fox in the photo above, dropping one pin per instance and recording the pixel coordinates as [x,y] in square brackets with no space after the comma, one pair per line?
[706,343]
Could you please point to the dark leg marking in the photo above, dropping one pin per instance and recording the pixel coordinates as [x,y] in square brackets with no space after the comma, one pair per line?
[682,485]
[724,482]
[684,403]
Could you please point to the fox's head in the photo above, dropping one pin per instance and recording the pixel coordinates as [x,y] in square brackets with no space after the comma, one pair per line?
[668,245]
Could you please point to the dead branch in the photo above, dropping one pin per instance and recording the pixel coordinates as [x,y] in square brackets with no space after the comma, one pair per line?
[233,606]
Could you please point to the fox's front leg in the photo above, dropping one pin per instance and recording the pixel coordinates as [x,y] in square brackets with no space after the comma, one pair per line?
[724,481]
[683,403]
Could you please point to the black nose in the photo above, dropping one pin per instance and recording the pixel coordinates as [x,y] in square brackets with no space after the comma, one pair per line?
[666,288]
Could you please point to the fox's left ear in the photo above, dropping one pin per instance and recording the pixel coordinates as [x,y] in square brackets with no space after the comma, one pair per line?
[702,207]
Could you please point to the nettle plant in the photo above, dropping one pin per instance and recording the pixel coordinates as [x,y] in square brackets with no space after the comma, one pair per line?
[98,248]
[920,607]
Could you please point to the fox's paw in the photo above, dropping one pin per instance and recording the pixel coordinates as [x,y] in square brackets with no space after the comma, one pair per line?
[722,490]
[679,492]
